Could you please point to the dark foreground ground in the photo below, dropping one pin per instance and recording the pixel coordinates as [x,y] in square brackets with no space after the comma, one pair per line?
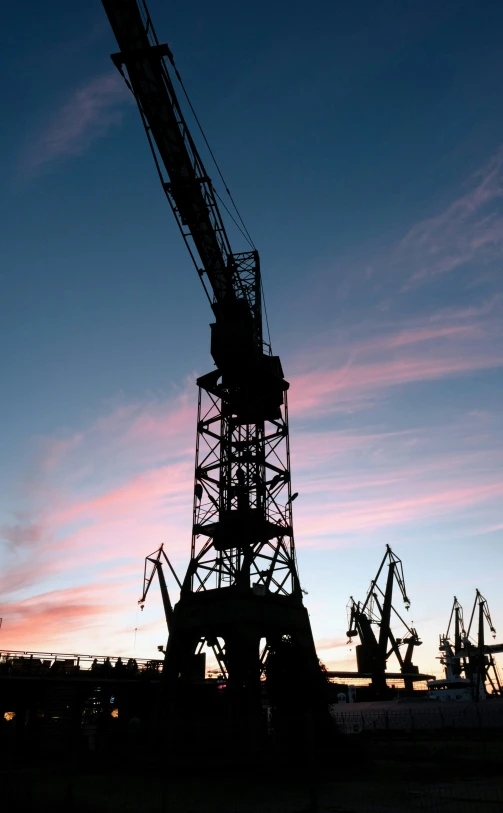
[454,773]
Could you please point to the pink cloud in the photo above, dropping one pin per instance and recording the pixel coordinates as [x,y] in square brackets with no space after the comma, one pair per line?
[150,431]
[429,334]
[88,115]
[319,391]
[114,490]
[50,618]
[340,373]
[151,485]
[334,517]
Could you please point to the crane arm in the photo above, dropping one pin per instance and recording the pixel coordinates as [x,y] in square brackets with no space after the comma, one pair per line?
[183,176]
[398,573]
[483,606]
[147,580]
[166,603]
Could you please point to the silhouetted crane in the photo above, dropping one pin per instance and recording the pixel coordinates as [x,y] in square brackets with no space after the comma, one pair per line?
[155,560]
[242,583]
[480,666]
[376,611]
[467,655]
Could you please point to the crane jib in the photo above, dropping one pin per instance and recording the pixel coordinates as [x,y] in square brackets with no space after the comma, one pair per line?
[248,369]
[189,188]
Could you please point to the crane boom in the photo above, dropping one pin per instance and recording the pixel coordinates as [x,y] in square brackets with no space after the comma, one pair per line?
[147,581]
[234,280]
[189,189]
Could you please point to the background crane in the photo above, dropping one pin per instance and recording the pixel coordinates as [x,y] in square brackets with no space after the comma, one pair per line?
[376,611]
[154,560]
[451,649]
[153,565]
[480,666]
[242,583]
[465,653]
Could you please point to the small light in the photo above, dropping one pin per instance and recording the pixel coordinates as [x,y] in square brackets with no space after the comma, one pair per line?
[9,715]
[115,712]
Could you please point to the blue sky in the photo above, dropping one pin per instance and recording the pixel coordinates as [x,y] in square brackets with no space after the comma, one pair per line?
[364,146]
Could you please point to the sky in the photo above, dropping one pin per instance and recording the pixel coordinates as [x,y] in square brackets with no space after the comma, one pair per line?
[363,144]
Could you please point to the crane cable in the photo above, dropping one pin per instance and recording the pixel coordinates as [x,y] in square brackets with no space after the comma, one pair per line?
[245,233]
[150,32]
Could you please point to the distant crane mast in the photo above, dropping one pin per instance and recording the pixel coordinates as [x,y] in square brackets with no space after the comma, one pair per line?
[242,583]
[451,658]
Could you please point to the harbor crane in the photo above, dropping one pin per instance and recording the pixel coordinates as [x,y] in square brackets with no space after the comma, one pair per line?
[465,654]
[451,657]
[377,611]
[480,666]
[154,564]
[242,584]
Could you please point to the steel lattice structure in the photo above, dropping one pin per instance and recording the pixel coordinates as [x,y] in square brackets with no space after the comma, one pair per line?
[242,491]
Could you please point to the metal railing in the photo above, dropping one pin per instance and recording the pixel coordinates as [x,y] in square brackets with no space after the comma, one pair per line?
[14,662]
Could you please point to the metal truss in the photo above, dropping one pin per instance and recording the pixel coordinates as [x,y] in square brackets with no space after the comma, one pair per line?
[242,514]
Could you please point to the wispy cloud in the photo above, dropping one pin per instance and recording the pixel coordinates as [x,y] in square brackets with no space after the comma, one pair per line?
[88,115]
[469,228]
[324,644]
[50,619]
[335,376]
[336,519]
[325,391]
